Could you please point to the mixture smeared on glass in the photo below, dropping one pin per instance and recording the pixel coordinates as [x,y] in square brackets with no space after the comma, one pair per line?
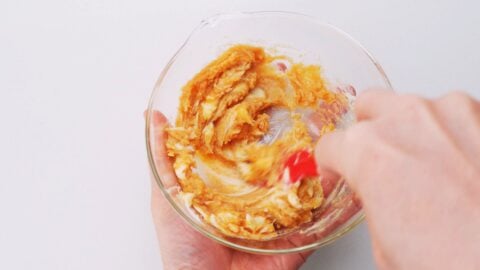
[239,119]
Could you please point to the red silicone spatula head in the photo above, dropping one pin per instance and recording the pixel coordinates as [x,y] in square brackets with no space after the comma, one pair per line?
[299,165]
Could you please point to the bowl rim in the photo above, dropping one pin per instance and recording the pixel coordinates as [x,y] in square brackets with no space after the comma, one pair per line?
[358,218]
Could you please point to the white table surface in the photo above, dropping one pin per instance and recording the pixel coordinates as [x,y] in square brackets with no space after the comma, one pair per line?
[75,76]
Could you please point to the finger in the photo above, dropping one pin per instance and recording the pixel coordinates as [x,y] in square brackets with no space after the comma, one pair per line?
[339,153]
[373,103]
[163,164]
[161,210]
[329,154]
[460,115]
[159,204]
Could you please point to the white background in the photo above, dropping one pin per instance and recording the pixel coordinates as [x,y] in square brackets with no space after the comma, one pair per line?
[75,76]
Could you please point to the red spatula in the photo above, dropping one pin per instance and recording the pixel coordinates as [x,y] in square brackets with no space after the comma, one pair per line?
[299,165]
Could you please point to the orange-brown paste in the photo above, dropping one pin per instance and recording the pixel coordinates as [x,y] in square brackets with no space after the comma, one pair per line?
[226,172]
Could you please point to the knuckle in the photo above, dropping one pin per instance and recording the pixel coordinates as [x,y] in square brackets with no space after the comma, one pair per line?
[459,96]
[459,100]
[413,102]
[461,104]
[416,107]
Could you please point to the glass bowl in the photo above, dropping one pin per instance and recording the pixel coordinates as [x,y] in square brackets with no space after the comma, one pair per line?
[344,63]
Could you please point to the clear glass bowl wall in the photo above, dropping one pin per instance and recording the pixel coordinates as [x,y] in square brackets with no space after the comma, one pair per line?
[344,62]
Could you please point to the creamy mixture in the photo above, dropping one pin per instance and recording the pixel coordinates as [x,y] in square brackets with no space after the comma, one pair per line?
[227,153]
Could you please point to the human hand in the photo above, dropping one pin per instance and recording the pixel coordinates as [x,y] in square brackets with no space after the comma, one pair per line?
[181,246]
[415,164]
